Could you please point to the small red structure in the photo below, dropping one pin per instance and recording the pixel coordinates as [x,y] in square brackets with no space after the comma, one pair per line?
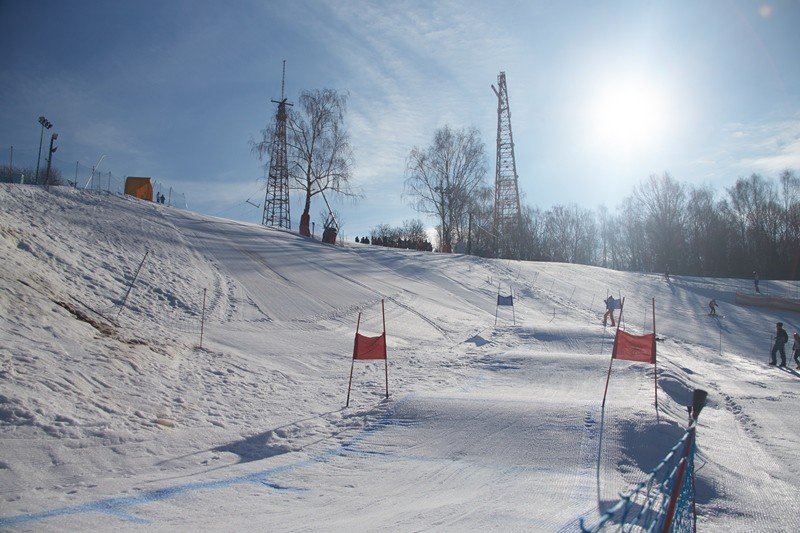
[366,348]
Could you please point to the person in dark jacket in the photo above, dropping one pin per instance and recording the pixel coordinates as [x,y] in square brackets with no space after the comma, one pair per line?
[796,349]
[781,338]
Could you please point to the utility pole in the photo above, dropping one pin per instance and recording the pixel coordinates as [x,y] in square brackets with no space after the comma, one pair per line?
[507,209]
[276,202]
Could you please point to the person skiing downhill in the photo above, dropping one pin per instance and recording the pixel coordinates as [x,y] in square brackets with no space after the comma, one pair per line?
[611,304]
[796,349]
[713,305]
[781,338]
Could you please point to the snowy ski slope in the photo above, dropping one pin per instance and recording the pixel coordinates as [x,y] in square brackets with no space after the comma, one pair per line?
[115,418]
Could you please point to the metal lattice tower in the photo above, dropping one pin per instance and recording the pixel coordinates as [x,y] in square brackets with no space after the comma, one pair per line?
[507,210]
[276,203]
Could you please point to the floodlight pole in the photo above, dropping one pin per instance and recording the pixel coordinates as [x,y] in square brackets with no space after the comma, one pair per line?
[45,124]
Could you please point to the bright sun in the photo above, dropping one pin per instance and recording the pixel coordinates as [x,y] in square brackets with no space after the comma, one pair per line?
[628,116]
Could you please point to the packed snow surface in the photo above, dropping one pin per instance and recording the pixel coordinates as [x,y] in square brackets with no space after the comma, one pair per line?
[114,416]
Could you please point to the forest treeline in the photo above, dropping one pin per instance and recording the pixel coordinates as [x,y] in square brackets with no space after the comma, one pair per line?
[663,224]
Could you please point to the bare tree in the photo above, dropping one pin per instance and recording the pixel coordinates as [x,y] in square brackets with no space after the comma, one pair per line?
[320,155]
[663,201]
[442,178]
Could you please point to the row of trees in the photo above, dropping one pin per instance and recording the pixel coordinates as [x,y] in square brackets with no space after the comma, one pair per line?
[662,225]
[28,175]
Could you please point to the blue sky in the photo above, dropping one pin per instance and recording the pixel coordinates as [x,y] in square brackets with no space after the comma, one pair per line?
[603,94]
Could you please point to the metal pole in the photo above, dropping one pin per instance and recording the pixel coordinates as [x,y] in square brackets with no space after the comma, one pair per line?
[655,363]
[39,159]
[202,318]
[53,137]
[385,356]
[349,383]
[135,276]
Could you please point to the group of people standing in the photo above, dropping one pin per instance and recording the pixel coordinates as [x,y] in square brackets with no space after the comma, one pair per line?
[781,338]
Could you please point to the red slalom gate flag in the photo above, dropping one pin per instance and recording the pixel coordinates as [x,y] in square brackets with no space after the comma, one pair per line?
[366,348]
[641,348]
[369,347]
[638,348]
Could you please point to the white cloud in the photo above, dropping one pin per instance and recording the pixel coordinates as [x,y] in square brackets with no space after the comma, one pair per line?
[770,148]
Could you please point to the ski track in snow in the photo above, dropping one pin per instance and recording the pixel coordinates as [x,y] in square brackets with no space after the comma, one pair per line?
[123,424]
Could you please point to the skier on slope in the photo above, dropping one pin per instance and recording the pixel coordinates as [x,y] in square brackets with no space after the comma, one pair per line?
[781,338]
[611,304]
[796,349]
[713,305]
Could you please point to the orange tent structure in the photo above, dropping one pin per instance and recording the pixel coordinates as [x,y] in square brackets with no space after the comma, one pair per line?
[139,187]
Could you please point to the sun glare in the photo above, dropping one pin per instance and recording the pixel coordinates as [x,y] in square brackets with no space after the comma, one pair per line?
[628,116]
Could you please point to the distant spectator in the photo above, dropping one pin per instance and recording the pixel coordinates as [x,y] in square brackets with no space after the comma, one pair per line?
[781,338]
[755,281]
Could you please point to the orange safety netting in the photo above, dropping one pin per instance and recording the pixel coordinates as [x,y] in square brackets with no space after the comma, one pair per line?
[640,348]
[369,347]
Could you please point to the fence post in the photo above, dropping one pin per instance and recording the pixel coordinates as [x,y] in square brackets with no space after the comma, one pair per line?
[698,401]
[202,318]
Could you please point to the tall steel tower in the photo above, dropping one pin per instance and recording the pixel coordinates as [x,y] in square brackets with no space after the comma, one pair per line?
[507,210]
[276,203]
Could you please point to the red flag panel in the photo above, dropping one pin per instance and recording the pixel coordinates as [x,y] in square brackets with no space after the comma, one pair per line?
[640,348]
[369,347]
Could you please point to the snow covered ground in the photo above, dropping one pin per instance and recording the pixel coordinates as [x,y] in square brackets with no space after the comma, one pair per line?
[115,418]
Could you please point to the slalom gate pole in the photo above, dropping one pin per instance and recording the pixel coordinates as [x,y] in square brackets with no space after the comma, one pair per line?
[385,355]
[513,313]
[130,286]
[608,377]
[202,318]
[350,382]
[353,362]
[655,360]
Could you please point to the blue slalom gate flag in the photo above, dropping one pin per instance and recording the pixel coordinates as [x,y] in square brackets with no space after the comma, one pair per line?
[505,300]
